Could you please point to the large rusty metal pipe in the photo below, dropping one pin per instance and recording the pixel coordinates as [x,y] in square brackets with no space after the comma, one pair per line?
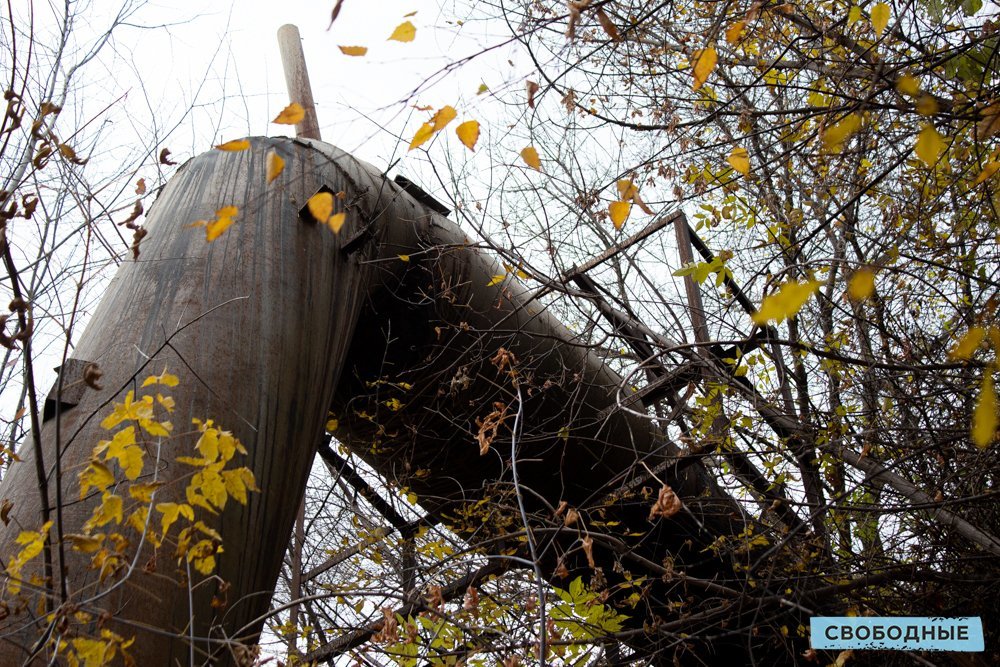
[256,324]
[278,321]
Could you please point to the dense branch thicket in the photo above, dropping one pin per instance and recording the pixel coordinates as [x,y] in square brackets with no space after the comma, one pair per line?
[846,153]
[852,151]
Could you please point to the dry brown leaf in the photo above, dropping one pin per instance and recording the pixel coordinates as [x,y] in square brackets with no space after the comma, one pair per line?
[608,26]
[667,504]
[92,375]
[532,89]
[488,427]
[563,506]
[574,7]
[335,13]
[471,601]
[5,509]
[588,549]
[133,216]
[989,124]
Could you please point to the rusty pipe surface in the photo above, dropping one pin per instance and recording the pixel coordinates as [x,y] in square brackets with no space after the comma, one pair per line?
[256,325]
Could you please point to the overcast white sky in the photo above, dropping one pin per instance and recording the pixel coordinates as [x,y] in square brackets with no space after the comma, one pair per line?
[227,52]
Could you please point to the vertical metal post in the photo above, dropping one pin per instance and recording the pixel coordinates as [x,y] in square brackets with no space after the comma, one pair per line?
[295,591]
[293,60]
[695,307]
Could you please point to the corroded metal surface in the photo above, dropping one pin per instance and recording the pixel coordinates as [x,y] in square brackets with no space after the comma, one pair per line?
[256,325]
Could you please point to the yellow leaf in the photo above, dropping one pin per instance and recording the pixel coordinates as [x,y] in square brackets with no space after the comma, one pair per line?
[92,652]
[404,32]
[123,449]
[320,206]
[192,461]
[214,229]
[437,122]
[121,412]
[984,417]
[739,160]
[835,136]
[336,221]
[164,377]
[704,63]
[155,428]
[32,541]
[483,88]
[353,50]
[202,555]
[290,115]
[991,168]
[208,444]
[171,511]
[425,132]
[861,285]
[138,520]
[930,145]
[95,475]
[927,105]
[853,15]
[786,302]
[275,165]
[968,344]
[626,189]
[619,210]
[908,85]
[208,484]
[87,544]
[234,145]
[109,510]
[735,31]
[468,133]
[143,492]
[229,445]
[880,17]
[166,401]
[530,157]
[817,99]
[444,115]
[497,279]
[238,482]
